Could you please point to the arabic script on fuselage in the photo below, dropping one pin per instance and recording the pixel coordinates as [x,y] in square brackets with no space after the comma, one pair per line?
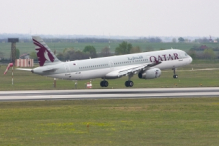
[135,57]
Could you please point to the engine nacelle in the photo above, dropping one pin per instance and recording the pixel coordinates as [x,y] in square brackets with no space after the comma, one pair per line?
[150,74]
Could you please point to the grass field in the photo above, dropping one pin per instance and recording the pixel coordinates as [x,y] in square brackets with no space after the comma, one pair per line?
[60,46]
[166,122]
[187,78]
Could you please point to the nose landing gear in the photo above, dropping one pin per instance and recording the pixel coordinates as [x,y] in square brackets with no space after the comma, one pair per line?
[129,83]
[175,76]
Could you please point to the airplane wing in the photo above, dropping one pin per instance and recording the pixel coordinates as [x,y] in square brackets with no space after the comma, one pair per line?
[131,70]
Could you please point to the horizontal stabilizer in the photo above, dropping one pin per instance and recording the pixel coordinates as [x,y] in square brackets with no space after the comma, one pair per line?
[24,69]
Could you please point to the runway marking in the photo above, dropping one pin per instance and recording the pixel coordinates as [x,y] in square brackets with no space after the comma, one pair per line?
[109,93]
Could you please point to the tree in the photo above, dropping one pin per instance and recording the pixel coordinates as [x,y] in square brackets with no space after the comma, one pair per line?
[152,40]
[17,53]
[105,52]
[202,40]
[155,40]
[60,56]
[181,39]
[69,54]
[209,54]
[72,54]
[33,55]
[81,55]
[1,55]
[135,50]
[124,48]
[174,40]
[192,53]
[91,50]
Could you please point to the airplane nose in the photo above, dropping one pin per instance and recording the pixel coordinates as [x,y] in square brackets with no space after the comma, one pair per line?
[190,59]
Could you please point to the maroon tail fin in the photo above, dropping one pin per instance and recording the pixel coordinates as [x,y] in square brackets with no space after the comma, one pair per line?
[44,54]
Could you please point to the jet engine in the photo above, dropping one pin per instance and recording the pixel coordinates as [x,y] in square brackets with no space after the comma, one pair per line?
[150,74]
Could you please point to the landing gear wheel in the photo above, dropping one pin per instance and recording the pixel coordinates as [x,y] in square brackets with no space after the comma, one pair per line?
[104,84]
[175,76]
[126,83]
[129,83]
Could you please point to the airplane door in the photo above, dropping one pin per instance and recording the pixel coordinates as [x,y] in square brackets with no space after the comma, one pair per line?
[75,71]
[67,71]
[111,64]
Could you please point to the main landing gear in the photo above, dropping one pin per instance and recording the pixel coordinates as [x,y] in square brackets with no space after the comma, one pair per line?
[104,83]
[129,83]
[175,76]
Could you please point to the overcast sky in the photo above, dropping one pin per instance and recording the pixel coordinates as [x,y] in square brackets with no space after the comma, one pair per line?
[111,17]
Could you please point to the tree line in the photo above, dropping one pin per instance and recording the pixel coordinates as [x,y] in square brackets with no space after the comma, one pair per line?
[204,52]
[126,48]
[196,52]
[90,52]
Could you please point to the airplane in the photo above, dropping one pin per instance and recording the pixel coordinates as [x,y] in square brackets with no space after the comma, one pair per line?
[146,65]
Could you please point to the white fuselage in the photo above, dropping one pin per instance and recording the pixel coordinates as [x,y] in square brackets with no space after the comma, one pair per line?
[104,67]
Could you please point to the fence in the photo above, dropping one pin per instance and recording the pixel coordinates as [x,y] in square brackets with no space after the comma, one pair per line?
[24,63]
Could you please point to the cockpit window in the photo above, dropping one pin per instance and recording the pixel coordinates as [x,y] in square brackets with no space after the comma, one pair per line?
[186,54]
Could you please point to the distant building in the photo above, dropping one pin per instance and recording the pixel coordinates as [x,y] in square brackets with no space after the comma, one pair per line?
[24,63]
[203,47]
[25,56]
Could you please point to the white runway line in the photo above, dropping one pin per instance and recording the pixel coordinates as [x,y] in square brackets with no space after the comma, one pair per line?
[109,93]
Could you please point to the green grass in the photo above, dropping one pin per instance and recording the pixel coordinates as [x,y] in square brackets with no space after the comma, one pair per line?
[28,81]
[180,121]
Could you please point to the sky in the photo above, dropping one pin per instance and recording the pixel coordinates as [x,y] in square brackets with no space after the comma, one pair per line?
[111,17]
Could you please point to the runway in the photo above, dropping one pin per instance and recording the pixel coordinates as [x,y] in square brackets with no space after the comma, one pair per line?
[109,93]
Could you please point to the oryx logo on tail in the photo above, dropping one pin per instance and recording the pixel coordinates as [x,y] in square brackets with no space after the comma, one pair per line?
[43,53]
